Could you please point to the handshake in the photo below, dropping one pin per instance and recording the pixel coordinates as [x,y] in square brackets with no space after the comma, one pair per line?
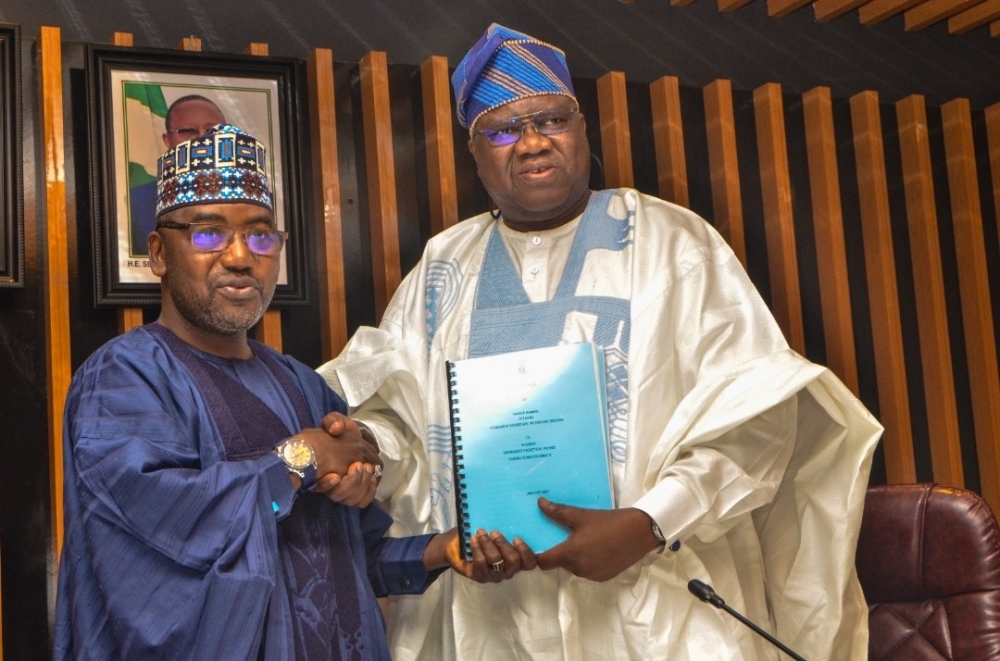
[347,460]
[348,470]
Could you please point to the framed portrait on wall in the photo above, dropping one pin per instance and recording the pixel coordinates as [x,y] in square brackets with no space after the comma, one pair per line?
[143,101]
[11,186]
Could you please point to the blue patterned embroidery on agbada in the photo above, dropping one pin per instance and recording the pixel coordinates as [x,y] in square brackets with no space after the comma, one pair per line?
[505,320]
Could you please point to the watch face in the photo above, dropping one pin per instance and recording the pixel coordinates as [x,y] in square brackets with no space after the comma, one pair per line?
[297,453]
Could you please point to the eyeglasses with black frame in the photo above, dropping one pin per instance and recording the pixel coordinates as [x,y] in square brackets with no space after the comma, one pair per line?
[211,237]
[551,121]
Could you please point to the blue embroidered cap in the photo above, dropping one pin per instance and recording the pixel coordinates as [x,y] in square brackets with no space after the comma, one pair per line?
[504,66]
[223,165]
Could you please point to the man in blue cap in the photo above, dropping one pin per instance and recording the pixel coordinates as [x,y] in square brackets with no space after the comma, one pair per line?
[734,460]
[218,498]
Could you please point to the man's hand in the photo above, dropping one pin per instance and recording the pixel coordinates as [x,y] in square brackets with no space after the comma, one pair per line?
[601,544]
[445,549]
[345,460]
[356,488]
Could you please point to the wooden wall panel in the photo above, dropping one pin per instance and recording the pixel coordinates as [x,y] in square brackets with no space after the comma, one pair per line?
[928,280]
[668,137]
[616,138]
[890,363]
[326,189]
[56,263]
[723,163]
[128,318]
[977,308]
[381,176]
[828,226]
[268,329]
[438,137]
[993,141]
[776,190]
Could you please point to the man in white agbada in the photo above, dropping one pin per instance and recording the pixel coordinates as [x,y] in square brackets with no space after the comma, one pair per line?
[723,439]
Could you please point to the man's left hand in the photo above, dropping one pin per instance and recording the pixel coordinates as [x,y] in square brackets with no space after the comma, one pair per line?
[494,559]
[601,544]
[355,489]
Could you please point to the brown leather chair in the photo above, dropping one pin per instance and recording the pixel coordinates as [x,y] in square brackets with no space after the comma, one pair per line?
[929,563]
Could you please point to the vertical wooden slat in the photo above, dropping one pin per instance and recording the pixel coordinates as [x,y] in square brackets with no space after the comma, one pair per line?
[616,144]
[887,335]
[973,278]
[128,318]
[827,10]
[975,17]
[326,184]
[723,164]
[268,329]
[828,226]
[779,8]
[879,10]
[932,11]
[928,280]
[779,226]
[122,39]
[381,175]
[56,270]
[191,43]
[438,137]
[668,137]
[993,141]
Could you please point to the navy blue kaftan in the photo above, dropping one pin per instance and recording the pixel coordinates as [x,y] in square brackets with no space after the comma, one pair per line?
[181,545]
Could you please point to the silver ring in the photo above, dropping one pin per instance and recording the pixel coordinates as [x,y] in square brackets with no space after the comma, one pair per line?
[378,471]
[497,566]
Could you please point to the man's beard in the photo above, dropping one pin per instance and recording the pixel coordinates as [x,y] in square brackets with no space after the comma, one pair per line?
[220,320]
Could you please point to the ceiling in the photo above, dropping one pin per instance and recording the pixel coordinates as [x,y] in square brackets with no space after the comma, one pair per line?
[942,49]
[961,16]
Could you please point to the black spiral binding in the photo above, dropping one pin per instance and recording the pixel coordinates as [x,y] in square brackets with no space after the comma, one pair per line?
[461,497]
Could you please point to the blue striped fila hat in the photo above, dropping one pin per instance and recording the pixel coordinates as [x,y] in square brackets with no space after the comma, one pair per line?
[505,66]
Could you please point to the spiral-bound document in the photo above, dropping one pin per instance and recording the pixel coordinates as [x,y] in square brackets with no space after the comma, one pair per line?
[528,424]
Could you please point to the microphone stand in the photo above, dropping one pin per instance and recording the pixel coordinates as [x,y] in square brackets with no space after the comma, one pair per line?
[705,593]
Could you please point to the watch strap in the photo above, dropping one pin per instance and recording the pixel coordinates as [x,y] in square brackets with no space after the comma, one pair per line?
[307,474]
[658,534]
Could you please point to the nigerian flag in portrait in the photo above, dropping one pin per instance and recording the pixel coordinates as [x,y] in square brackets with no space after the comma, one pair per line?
[145,124]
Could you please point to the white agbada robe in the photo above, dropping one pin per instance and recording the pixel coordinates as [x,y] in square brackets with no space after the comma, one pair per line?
[754,458]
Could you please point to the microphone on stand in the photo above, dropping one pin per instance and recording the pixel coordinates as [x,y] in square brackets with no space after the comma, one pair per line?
[705,593]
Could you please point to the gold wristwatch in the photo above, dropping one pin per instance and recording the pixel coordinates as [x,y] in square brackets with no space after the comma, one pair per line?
[300,459]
